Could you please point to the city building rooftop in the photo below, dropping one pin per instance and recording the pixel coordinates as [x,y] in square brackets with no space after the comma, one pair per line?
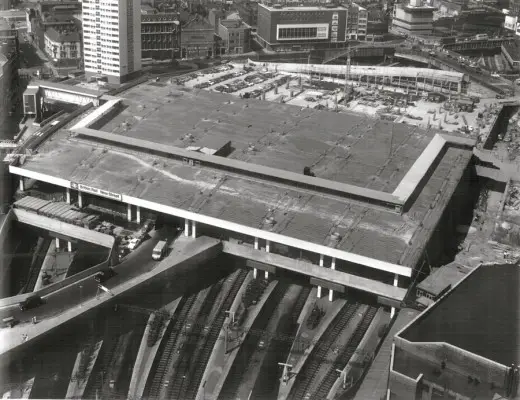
[478,315]
[442,279]
[257,181]
[65,36]
[281,7]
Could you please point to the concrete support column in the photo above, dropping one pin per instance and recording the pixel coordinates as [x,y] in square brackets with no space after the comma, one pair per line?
[57,243]
[322,262]
[80,200]
[257,246]
[129,212]
[267,249]
[396,284]
[193,229]
[331,292]
[138,214]
[67,195]
[22,184]
[69,247]
[186,227]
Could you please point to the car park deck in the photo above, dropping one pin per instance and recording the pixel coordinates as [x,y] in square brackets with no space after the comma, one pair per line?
[348,149]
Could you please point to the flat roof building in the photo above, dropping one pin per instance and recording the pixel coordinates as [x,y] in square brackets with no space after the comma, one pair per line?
[213,160]
[283,28]
[441,280]
[465,346]
[412,19]
[235,35]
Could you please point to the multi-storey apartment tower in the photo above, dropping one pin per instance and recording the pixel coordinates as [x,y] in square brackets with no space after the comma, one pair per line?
[112,39]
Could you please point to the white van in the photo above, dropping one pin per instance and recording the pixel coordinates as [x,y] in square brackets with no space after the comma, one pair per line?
[159,250]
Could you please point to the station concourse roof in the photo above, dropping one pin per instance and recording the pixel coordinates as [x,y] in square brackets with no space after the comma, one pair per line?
[342,147]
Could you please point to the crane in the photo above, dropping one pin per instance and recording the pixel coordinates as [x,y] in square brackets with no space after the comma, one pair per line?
[348,90]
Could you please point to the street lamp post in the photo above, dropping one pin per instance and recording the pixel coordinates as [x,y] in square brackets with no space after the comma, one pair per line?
[174,42]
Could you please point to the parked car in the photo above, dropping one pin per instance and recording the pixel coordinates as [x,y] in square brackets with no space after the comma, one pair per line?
[31,302]
[133,243]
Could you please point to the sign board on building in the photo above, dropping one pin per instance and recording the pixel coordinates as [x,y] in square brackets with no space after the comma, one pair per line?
[96,191]
[322,32]
[510,22]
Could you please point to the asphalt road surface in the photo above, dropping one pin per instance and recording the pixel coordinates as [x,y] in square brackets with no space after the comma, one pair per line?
[135,264]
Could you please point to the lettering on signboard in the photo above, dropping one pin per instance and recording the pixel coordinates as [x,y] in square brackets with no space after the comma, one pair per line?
[93,190]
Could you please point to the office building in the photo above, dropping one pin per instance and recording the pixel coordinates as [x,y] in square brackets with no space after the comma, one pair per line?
[160,35]
[112,39]
[412,19]
[235,35]
[64,47]
[357,21]
[197,38]
[302,28]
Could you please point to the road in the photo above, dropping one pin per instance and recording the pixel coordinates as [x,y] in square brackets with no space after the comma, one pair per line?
[479,77]
[58,302]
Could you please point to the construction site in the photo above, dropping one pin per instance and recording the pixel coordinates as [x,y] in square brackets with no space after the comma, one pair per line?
[325,194]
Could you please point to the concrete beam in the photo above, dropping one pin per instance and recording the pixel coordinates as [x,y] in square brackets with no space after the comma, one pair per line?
[62,228]
[315,271]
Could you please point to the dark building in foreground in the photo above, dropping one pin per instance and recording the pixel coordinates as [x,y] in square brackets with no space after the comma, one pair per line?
[465,346]
[9,64]
[301,27]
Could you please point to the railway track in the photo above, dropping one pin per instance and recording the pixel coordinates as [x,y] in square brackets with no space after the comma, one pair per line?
[201,359]
[307,374]
[98,384]
[180,382]
[250,345]
[344,357]
[178,321]
[268,386]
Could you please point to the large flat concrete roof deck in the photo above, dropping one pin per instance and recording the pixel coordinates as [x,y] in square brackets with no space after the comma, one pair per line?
[297,213]
[347,148]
